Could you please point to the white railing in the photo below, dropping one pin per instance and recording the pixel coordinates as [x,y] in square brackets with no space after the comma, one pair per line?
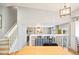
[12,35]
[59,38]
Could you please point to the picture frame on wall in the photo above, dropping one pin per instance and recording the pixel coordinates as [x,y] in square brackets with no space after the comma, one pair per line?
[0,21]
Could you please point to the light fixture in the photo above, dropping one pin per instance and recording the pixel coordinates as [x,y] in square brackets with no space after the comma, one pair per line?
[65,11]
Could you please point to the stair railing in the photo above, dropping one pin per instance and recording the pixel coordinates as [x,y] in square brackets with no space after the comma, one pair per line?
[12,35]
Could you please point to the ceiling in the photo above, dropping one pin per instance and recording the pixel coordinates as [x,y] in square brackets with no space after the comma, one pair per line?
[44,6]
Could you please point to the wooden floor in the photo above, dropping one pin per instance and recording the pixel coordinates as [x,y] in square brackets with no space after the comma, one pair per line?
[43,50]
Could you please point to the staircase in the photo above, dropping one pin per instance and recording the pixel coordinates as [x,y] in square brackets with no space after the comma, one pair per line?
[7,42]
[4,46]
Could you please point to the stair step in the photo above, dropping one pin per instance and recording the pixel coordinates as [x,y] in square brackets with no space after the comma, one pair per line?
[4,52]
[4,42]
[1,40]
[4,46]
[1,49]
[1,44]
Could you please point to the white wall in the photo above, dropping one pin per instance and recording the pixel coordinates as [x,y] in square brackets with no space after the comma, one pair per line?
[9,17]
[2,30]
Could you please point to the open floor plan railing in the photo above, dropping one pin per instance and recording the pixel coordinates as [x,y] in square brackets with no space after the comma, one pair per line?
[40,39]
